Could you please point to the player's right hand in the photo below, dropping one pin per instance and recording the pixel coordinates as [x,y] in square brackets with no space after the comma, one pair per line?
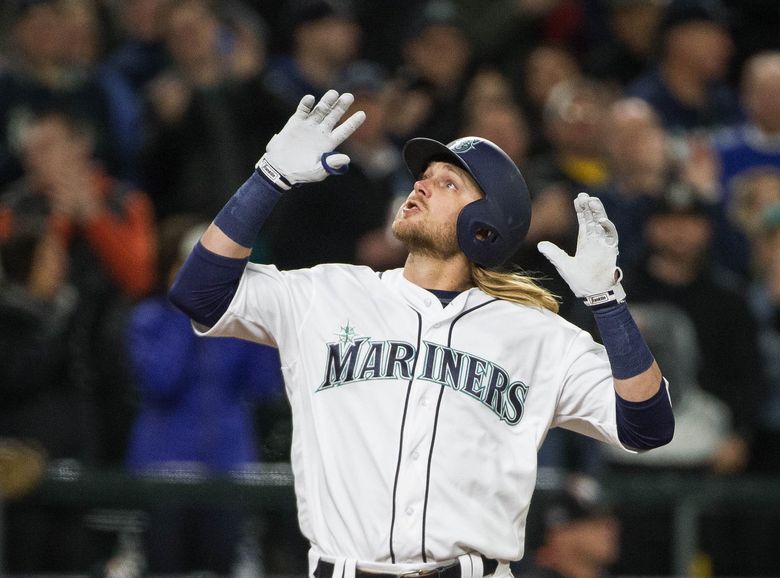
[302,152]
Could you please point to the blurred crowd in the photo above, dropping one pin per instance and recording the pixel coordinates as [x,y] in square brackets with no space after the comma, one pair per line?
[125,125]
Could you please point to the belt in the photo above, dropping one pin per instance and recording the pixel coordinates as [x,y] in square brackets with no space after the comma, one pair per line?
[325,570]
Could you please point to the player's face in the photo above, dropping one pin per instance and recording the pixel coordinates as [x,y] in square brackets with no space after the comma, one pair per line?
[427,222]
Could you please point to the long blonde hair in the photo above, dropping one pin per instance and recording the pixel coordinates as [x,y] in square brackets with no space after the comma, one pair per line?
[513,286]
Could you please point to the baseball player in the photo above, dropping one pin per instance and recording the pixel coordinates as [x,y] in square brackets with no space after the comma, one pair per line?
[421,395]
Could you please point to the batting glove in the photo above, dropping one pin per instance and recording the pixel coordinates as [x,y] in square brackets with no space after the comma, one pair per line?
[592,274]
[302,152]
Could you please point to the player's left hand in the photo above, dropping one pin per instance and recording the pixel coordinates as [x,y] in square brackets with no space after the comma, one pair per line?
[592,273]
[302,152]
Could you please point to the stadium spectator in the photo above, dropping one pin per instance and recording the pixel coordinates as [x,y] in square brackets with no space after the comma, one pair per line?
[490,111]
[37,313]
[628,48]
[702,442]
[737,224]
[754,192]
[579,532]
[85,52]
[195,414]
[107,228]
[547,66]
[643,163]
[139,52]
[574,118]
[432,80]
[764,298]
[640,166]
[677,268]
[756,142]
[687,85]
[322,37]
[41,398]
[203,118]
[375,154]
[39,76]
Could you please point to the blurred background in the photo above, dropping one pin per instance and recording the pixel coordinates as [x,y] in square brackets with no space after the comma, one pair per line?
[130,448]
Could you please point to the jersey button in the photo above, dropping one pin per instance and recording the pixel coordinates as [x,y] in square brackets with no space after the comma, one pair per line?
[427,302]
[424,402]
[409,511]
[415,455]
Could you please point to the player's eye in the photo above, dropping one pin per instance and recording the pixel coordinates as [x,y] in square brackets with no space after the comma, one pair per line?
[451,186]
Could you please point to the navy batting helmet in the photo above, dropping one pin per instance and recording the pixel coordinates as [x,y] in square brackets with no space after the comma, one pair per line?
[491,229]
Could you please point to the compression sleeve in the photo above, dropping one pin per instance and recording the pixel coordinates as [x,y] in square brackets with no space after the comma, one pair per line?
[648,424]
[641,425]
[206,284]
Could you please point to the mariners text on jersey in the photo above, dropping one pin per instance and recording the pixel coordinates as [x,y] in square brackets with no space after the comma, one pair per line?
[358,360]
[400,405]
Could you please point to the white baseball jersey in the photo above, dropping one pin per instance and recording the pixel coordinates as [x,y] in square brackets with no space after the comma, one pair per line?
[416,426]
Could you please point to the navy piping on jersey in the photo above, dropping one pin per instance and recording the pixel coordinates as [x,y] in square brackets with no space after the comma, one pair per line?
[403,426]
[435,425]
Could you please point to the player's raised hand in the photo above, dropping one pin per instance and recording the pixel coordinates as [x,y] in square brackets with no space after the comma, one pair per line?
[592,273]
[302,152]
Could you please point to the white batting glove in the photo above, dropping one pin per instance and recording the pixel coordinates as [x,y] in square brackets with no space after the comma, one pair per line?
[302,152]
[592,274]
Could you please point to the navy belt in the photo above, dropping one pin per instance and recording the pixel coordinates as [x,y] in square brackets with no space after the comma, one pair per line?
[325,570]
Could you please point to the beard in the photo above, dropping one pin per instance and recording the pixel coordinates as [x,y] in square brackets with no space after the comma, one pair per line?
[438,241]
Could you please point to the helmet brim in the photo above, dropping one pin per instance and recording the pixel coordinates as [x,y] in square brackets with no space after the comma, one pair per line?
[418,153]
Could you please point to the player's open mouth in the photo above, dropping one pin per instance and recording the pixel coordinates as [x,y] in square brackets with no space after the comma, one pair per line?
[411,207]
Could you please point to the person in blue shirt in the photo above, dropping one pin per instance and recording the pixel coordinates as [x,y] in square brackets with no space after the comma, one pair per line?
[755,142]
[196,413]
[687,85]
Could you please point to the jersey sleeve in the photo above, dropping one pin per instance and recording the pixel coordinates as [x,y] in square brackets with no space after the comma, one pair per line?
[586,403]
[268,307]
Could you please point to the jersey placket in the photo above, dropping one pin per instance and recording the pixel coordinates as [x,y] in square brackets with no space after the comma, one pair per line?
[416,454]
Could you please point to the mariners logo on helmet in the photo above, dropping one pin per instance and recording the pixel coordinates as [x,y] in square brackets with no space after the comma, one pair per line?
[463,144]
[491,229]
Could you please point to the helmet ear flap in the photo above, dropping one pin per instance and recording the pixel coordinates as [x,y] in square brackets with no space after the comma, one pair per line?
[478,238]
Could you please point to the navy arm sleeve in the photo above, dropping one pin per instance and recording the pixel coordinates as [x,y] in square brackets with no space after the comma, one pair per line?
[645,424]
[648,424]
[206,284]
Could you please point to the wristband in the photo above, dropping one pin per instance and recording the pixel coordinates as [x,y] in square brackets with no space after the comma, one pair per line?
[627,350]
[246,211]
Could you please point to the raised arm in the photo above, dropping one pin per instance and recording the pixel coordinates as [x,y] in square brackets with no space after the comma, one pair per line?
[302,152]
[644,411]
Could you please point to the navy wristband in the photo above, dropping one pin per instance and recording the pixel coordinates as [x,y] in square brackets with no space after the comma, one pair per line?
[627,350]
[246,211]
